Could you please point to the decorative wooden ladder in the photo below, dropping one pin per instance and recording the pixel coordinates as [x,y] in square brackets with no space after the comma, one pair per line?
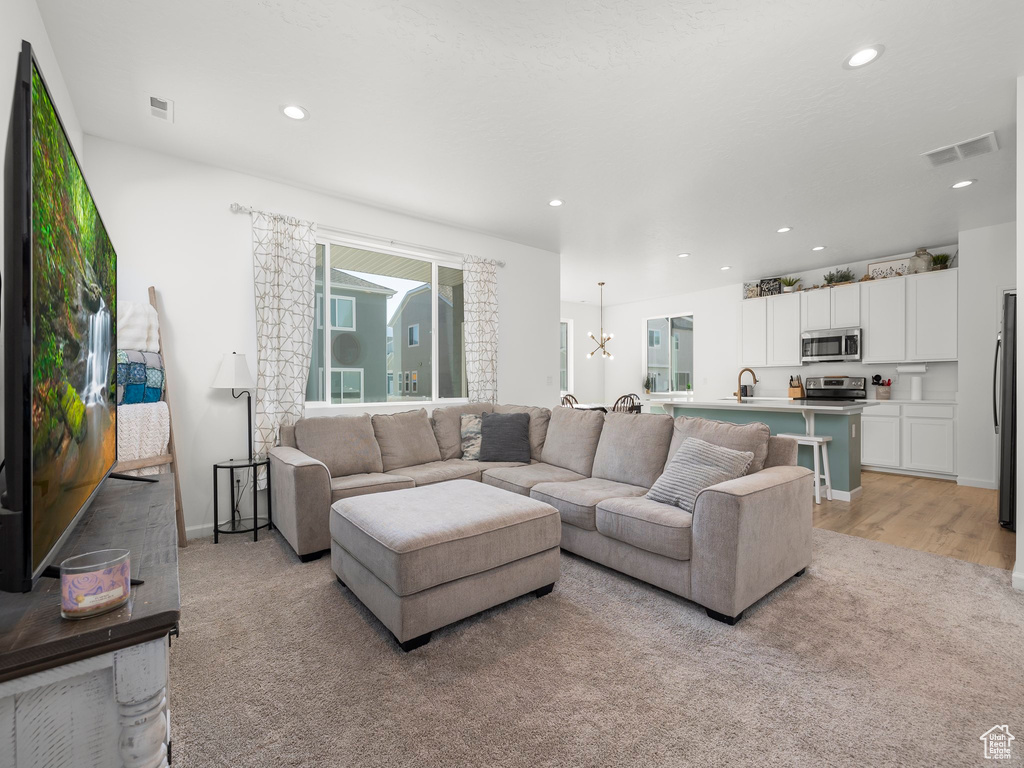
[171,457]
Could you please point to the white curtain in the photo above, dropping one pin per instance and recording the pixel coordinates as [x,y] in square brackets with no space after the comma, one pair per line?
[480,285]
[284,261]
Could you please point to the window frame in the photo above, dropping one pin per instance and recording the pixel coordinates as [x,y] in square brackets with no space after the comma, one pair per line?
[644,362]
[362,384]
[656,337]
[326,237]
[409,334]
[569,350]
[352,300]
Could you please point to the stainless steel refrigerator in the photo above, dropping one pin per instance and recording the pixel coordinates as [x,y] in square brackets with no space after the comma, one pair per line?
[1004,411]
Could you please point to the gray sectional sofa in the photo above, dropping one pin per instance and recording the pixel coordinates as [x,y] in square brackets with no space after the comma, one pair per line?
[744,538]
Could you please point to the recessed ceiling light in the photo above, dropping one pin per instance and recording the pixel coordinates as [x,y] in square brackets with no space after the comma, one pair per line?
[818,248]
[964,183]
[781,230]
[295,112]
[725,268]
[555,203]
[682,255]
[863,56]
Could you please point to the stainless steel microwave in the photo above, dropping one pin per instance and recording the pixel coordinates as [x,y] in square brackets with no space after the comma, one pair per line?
[836,345]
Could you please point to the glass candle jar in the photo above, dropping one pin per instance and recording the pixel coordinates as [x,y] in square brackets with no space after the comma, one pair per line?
[94,583]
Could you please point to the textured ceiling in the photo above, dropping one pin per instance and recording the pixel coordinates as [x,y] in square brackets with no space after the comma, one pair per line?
[666,126]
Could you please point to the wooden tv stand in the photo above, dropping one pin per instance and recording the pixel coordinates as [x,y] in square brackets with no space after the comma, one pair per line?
[94,692]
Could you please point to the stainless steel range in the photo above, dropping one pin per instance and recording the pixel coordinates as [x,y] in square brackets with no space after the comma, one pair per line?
[835,389]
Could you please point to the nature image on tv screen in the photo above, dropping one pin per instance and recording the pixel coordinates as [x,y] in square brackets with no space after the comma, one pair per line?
[74,431]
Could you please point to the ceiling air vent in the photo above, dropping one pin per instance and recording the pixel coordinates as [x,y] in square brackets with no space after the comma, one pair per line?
[980,145]
[162,109]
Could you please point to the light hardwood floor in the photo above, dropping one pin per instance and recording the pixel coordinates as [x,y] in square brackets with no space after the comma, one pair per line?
[935,516]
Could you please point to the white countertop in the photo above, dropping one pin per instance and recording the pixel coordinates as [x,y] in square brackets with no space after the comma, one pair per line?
[766,404]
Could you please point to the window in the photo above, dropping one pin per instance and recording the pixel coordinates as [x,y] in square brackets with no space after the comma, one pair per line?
[347,385]
[670,367]
[343,313]
[390,296]
[565,382]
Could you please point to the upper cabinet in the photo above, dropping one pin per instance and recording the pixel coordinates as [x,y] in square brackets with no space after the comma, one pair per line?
[827,308]
[932,316]
[845,301]
[883,313]
[754,332]
[783,329]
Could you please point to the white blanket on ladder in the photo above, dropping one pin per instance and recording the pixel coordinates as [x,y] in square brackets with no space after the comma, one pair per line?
[143,431]
[138,327]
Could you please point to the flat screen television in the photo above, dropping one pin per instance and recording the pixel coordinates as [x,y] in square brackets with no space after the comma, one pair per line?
[60,294]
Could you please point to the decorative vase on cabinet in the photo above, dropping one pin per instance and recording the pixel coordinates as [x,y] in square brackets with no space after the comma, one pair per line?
[920,262]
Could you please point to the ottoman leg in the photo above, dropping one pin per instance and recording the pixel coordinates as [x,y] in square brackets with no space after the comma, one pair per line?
[544,590]
[730,620]
[341,582]
[416,642]
[310,557]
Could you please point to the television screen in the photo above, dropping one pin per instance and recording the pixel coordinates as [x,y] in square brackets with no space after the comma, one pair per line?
[73,360]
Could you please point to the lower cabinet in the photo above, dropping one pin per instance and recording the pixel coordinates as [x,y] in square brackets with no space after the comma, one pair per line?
[917,438]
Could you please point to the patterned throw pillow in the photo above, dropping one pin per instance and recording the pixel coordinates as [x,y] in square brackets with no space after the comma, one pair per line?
[697,465]
[471,423]
[140,377]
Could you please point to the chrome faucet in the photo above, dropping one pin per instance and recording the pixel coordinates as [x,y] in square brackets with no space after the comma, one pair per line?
[739,383]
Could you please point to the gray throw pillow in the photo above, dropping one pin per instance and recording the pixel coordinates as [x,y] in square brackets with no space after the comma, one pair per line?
[697,465]
[471,436]
[505,437]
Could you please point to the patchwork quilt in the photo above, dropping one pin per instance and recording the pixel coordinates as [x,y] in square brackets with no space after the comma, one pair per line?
[140,377]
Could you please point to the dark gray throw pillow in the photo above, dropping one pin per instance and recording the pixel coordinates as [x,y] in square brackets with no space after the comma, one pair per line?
[505,437]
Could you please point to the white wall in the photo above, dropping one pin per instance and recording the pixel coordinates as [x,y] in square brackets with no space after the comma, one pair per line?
[170,222]
[1018,568]
[588,375]
[987,268]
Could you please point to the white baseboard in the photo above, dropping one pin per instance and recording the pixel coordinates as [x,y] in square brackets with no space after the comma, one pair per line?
[841,495]
[974,482]
[199,531]
[1017,580]
[910,472]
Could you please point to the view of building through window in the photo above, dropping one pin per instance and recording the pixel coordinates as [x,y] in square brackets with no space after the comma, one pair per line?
[375,344]
[670,364]
[563,351]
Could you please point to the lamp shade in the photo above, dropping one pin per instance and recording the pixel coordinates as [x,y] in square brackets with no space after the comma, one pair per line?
[233,374]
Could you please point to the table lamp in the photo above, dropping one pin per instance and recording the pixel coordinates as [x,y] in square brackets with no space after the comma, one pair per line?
[234,374]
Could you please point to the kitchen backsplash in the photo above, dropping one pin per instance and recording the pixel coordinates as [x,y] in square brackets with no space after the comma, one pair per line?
[939,383]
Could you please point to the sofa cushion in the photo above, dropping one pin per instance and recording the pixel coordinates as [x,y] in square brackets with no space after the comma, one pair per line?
[751,437]
[577,501]
[663,529]
[371,482]
[345,444]
[633,447]
[416,539]
[504,437]
[447,423]
[572,439]
[539,421]
[697,465]
[440,471]
[471,435]
[522,479]
[405,439]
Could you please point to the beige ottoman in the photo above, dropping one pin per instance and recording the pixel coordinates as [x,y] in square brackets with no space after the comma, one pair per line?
[425,557]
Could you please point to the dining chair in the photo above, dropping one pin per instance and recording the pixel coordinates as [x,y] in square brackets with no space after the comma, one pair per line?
[569,401]
[627,404]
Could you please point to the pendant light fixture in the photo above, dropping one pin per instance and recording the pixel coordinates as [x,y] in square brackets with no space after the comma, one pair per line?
[605,337]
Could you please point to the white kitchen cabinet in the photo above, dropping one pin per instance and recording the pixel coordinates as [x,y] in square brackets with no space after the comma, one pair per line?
[783,329]
[754,332]
[929,444]
[880,440]
[932,316]
[816,309]
[883,305]
[845,306]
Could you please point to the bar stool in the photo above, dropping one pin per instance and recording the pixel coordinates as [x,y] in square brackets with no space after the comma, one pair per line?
[819,445]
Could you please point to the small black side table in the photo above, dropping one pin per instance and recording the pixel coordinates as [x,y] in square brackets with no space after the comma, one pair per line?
[237,523]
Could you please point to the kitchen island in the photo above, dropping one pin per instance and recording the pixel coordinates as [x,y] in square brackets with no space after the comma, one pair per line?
[838,420]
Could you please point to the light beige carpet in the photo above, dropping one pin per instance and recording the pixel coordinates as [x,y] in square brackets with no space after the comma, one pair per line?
[877,656]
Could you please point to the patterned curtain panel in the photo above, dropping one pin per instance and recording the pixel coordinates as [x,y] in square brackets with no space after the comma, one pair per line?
[284,261]
[480,279]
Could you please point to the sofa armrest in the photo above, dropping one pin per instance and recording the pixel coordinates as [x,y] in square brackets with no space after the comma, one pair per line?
[750,535]
[302,499]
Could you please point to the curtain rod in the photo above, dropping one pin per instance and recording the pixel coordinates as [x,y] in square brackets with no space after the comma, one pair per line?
[238,208]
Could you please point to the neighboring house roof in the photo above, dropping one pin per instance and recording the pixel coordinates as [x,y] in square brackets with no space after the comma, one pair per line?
[444,292]
[342,278]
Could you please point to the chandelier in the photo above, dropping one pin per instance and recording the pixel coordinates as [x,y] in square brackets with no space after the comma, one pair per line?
[602,343]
